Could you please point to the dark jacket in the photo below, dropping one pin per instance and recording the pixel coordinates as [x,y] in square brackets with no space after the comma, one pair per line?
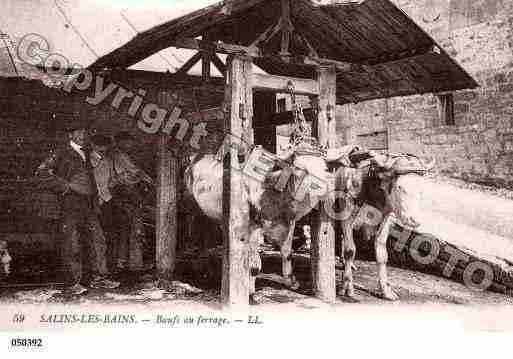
[62,168]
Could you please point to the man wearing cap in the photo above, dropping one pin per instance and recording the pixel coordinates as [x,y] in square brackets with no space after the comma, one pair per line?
[68,172]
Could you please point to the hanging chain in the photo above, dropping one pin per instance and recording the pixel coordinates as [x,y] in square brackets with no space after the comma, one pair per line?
[301,130]
[301,135]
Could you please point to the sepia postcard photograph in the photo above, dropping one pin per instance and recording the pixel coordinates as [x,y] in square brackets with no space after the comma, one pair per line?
[254,172]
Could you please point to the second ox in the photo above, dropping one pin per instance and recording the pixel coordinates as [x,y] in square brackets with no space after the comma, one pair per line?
[389,187]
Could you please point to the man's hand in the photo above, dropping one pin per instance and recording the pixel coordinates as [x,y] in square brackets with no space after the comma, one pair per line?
[52,183]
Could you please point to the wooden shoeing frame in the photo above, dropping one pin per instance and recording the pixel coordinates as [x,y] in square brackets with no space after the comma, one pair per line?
[240,83]
[238,117]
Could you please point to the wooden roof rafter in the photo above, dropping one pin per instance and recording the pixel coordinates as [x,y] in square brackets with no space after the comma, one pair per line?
[373,44]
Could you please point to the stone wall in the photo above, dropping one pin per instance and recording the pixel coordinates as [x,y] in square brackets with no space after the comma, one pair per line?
[478,34]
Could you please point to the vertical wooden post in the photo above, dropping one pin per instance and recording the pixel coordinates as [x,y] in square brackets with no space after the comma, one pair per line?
[238,128]
[205,66]
[205,62]
[166,231]
[286,29]
[323,233]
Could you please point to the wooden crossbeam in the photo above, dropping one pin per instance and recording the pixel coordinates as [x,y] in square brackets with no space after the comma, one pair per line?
[190,63]
[218,63]
[267,35]
[311,50]
[220,47]
[264,82]
[223,48]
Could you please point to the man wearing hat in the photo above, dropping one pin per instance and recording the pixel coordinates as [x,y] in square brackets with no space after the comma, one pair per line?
[68,172]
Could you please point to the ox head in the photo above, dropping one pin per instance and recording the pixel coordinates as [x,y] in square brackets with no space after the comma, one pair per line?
[5,260]
[401,180]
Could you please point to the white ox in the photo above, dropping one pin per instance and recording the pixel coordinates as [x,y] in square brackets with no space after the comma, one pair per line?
[389,186]
[277,201]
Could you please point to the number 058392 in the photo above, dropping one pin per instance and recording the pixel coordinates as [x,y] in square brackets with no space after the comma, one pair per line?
[26,342]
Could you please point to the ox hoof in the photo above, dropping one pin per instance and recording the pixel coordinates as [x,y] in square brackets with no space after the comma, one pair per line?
[386,292]
[347,297]
[292,283]
[347,293]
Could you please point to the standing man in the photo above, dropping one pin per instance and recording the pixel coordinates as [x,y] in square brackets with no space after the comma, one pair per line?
[69,173]
[118,180]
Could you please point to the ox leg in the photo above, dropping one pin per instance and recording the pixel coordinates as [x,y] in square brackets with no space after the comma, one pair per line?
[348,252]
[286,253]
[380,245]
[255,262]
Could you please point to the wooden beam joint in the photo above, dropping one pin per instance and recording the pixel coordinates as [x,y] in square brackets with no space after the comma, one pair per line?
[255,52]
[264,82]
[190,63]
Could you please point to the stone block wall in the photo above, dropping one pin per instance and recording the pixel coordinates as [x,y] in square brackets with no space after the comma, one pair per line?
[478,34]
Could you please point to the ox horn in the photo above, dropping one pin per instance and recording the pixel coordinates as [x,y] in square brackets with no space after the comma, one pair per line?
[379,159]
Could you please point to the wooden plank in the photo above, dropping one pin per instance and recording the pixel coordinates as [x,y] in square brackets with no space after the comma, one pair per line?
[323,230]
[238,123]
[166,224]
[412,54]
[192,25]
[264,82]
[335,34]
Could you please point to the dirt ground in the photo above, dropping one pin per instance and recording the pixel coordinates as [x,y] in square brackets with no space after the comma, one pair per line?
[471,215]
[413,288]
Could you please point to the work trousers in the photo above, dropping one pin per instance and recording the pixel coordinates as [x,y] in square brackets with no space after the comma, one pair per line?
[83,239]
[123,226]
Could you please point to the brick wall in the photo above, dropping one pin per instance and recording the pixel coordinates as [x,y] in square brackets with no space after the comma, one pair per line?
[478,34]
